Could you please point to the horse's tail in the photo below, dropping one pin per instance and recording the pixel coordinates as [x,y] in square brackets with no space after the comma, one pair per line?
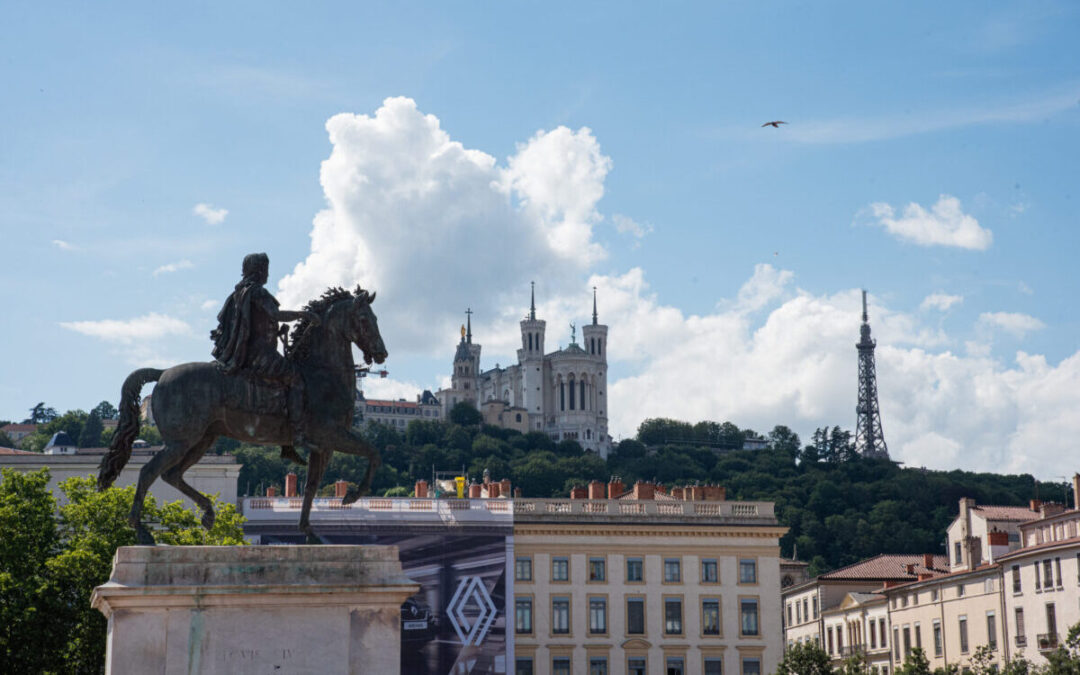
[128,428]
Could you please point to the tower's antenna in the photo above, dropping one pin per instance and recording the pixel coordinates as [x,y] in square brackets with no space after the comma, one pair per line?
[869,437]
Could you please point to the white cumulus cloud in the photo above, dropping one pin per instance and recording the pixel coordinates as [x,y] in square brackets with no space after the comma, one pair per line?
[436,227]
[945,224]
[211,215]
[62,245]
[173,267]
[940,301]
[1014,323]
[797,366]
[627,225]
[128,331]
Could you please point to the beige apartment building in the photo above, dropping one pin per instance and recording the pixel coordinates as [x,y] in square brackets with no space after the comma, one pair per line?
[1041,583]
[805,604]
[646,583]
[948,617]
[952,616]
[858,627]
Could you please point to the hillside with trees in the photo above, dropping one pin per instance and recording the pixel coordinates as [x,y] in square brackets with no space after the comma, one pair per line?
[839,507]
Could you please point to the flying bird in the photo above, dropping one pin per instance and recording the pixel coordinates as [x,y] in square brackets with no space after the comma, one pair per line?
[774,124]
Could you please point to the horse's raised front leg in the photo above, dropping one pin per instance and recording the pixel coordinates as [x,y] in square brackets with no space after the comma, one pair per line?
[166,458]
[351,443]
[317,463]
[175,477]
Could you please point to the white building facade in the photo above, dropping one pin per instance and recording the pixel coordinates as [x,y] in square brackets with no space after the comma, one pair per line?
[563,393]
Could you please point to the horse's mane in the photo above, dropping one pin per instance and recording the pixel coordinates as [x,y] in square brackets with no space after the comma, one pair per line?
[299,339]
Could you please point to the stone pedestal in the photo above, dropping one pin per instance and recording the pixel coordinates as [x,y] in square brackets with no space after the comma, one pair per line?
[254,609]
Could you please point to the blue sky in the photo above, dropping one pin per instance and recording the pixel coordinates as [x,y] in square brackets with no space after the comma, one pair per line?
[930,155]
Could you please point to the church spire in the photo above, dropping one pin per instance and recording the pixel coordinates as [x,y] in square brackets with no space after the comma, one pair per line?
[468,321]
[532,301]
[594,321]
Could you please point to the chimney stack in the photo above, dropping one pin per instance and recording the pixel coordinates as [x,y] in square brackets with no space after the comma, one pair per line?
[596,490]
[271,491]
[911,569]
[615,488]
[644,491]
[1035,505]
[340,489]
[678,492]
[475,490]
[578,492]
[290,484]
[420,490]
[493,490]
[517,493]
[1076,491]
[928,561]
[714,493]
[504,488]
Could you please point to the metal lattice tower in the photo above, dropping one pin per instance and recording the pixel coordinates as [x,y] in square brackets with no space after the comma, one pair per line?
[869,437]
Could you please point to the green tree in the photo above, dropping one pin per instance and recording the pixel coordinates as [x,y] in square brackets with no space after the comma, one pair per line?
[1065,660]
[41,414]
[915,664]
[106,411]
[91,431]
[30,611]
[50,565]
[464,413]
[784,439]
[805,659]
[5,440]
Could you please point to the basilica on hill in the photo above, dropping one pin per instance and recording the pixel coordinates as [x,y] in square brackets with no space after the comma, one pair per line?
[562,393]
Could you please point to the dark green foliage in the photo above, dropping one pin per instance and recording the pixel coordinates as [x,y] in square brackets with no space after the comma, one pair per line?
[41,414]
[106,411]
[49,565]
[805,659]
[465,414]
[915,664]
[91,431]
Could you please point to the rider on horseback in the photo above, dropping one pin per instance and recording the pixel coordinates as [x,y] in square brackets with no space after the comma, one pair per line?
[245,342]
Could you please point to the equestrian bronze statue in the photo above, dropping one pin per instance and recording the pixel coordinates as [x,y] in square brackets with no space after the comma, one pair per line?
[254,394]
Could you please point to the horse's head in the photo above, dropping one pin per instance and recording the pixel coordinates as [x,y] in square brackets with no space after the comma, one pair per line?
[364,327]
[346,316]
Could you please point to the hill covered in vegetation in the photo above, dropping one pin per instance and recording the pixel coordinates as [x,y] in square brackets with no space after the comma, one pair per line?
[839,507]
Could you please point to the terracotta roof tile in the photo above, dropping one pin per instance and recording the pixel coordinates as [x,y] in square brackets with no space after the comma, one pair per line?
[19,427]
[13,451]
[1012,513]
[892,567]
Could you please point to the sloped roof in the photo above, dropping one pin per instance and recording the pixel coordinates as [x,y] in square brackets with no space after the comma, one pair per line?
[1018,514]
[62,439]
[887,567]
[19,427]
[14,451]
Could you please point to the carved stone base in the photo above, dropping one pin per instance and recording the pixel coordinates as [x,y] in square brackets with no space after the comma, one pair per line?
[254,609]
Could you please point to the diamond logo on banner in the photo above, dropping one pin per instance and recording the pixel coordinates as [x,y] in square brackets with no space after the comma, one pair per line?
[471,611]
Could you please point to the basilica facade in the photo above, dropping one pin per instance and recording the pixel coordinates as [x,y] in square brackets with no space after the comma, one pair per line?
[562,393]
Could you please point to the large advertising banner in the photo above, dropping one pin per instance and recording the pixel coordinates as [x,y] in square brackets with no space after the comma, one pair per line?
[456,624]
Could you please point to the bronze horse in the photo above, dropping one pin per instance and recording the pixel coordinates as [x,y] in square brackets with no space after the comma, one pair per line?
[194,403]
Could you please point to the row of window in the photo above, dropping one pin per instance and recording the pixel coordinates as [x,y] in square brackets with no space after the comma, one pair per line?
[1049,578]
[635,616]
[877,637]
[635,665]
[635,570]
[902,601]
[802,611]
